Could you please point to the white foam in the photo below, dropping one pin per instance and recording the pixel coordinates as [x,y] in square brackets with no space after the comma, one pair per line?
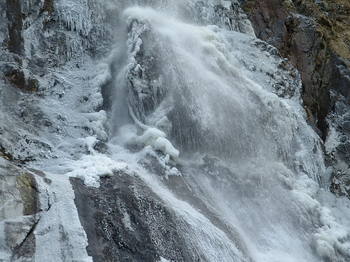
[157,139]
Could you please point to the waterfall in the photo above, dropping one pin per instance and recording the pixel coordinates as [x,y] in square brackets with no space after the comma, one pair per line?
[158,130]
[242,168]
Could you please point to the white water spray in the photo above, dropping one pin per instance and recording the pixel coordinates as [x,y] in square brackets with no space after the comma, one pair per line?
[208,85]
[196,92]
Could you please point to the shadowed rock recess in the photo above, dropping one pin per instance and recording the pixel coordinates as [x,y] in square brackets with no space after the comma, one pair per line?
[174,130]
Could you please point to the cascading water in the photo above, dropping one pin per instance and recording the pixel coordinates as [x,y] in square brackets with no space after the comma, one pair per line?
[197,147]
[242,169]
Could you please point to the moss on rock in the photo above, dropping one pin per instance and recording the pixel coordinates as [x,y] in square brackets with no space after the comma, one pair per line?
[27,187]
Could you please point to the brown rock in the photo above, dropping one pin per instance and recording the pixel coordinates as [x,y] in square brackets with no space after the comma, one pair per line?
[315,38]
[16,78]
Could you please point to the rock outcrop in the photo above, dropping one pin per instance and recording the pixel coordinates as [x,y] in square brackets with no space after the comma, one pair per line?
[124,219]
[315,37]
[19,207]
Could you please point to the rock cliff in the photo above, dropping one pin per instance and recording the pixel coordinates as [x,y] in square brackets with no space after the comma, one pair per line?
[315,37]
[61,196]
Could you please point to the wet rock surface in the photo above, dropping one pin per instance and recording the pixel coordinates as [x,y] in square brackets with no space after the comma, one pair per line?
[125,221]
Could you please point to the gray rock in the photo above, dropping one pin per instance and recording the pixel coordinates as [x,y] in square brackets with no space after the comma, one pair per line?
[18,213]
[125,221]
[346,126]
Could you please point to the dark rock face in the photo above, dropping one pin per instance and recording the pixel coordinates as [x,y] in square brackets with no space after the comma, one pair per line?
[14,43]
[17,79]
[315,37]
[147,90]
[305,33]
[15,26]
[125,221]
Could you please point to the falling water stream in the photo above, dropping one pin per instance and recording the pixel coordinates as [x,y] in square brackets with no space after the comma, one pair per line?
[193,94]
[162,130]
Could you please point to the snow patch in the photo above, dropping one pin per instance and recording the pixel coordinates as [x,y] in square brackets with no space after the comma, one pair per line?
[332,140]
[59,234]
[91,167]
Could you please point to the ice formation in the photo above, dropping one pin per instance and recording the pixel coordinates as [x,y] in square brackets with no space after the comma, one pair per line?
[183,97]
